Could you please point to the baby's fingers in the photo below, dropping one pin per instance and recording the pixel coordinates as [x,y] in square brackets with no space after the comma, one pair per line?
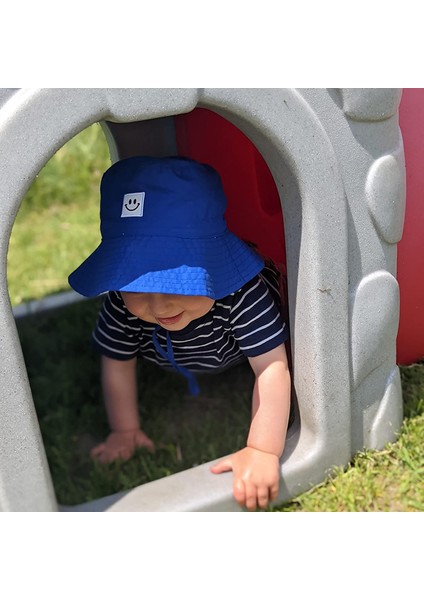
[256,497]
[263,497]
[251,496]
[239,492]
[97,451]
[273,492]
[142,441]
[105,455]
[223,466]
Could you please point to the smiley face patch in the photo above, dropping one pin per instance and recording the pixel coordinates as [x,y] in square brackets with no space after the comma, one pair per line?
[133,205]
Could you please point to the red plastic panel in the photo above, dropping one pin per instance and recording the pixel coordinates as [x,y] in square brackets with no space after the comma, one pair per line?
[410,271]
[254,210]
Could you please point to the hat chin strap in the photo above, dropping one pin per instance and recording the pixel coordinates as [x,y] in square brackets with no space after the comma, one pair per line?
[168,355]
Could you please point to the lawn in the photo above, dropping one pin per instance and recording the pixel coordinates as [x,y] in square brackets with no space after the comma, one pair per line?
[57,224]
[56,228]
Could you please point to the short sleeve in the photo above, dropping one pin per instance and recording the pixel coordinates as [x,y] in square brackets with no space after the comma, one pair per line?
[256,319]
[117,332]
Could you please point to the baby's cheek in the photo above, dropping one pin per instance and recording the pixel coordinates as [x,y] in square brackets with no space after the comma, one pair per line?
[136,306]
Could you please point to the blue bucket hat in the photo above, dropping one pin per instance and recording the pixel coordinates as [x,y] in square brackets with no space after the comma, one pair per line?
[163,230]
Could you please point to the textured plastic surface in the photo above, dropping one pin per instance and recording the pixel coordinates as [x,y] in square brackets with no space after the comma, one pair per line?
[334,151]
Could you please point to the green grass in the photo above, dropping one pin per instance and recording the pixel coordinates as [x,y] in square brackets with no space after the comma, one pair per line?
[57,224]
[64,376]
[56,228]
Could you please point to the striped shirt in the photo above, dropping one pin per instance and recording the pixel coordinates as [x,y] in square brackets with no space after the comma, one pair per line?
[246,323]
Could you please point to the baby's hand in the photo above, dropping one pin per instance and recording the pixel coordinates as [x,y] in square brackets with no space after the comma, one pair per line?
[256,476]
[121,446]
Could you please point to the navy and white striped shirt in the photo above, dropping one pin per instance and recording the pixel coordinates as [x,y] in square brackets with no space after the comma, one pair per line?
[246,323]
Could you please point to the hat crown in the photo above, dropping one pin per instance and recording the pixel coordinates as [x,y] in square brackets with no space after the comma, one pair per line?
[148,196]
[164,231]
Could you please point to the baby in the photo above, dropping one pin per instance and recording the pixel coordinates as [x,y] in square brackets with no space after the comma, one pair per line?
[185,293]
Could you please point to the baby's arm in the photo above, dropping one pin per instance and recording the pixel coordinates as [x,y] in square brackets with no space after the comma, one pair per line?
[256,467]
[119,384]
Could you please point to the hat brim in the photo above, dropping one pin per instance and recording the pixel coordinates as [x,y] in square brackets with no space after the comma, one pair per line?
[213,267]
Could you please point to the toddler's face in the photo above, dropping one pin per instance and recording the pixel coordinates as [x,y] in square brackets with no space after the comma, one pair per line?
[171,311]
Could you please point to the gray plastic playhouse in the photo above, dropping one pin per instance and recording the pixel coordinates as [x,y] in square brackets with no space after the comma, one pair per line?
[339,154]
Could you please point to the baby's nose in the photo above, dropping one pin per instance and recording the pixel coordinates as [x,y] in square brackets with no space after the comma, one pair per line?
[160,304]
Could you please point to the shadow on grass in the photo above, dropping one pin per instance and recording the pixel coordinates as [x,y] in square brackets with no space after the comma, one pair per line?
[412,378]
[63,370]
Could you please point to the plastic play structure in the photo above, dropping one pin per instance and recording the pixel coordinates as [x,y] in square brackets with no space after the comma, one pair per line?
[334,161]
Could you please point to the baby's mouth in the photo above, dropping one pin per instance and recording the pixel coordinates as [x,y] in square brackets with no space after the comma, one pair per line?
[169,320]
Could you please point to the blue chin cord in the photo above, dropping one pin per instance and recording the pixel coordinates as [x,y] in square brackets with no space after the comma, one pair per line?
[168,355]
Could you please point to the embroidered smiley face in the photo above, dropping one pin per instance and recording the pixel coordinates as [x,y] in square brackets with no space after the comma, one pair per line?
[133,205]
